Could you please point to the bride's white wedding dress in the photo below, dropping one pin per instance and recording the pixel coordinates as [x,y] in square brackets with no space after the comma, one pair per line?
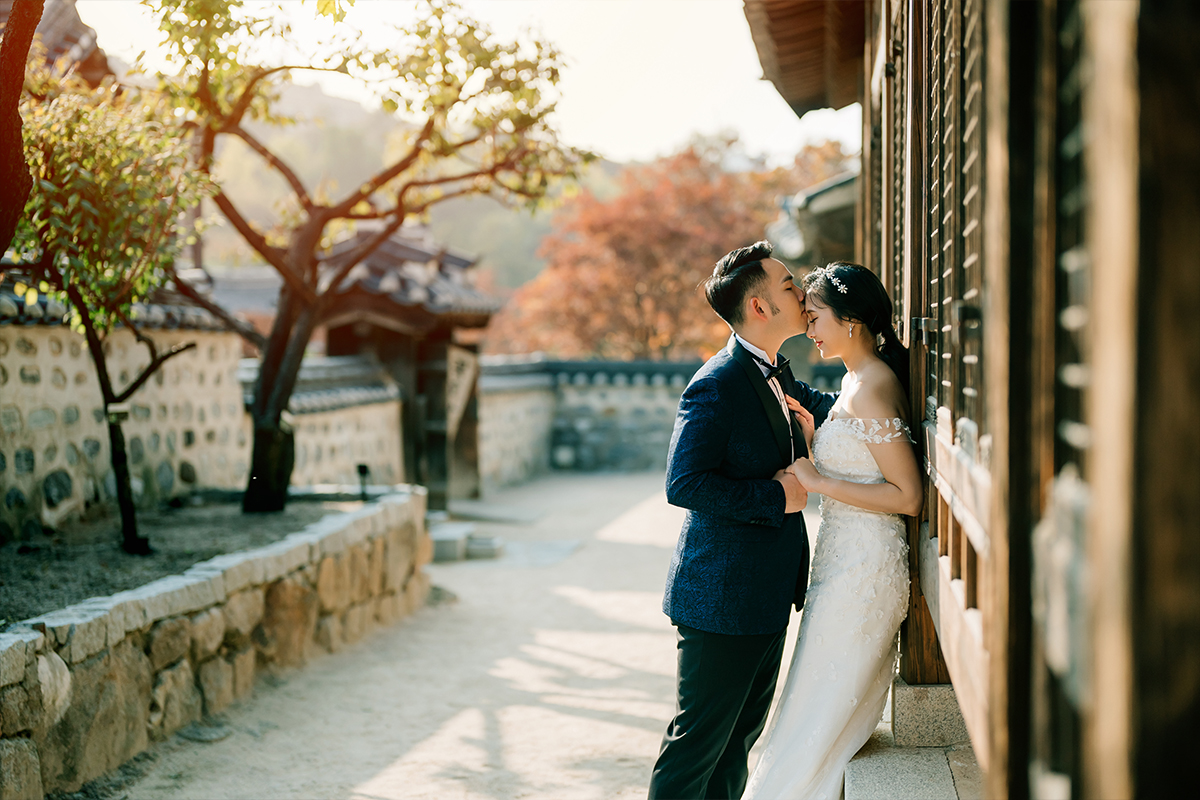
[845,656]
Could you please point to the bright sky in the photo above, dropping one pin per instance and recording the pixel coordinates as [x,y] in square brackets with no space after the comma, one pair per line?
[643,76]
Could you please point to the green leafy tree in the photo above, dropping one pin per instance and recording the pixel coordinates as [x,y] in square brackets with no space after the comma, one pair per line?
[101,226]
[472,114]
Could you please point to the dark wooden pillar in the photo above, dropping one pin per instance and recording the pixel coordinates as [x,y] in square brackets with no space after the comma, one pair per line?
[1166,514]
[433,465]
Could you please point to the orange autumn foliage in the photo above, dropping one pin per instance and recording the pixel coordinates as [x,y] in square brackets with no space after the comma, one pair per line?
[622,279]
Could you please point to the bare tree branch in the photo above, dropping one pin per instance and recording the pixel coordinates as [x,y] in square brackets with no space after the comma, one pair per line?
[282,168]
[239,327]
[273,255]
[380,180]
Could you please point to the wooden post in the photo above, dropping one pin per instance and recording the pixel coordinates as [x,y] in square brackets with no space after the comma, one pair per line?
[1009,225]
[1151,632]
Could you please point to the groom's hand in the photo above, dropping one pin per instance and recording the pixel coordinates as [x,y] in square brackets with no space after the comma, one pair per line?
[794,492]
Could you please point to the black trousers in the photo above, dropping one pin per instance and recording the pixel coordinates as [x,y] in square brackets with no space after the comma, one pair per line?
[725,688]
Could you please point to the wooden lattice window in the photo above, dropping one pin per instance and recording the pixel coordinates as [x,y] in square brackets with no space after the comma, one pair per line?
[1072,278]
[899,146]
[955,103]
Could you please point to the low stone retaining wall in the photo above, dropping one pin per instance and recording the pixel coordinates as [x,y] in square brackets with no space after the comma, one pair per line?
[86,688]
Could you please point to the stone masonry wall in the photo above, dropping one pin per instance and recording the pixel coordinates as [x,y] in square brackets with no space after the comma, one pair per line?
[331,444]
[537,415]
[516,421]
[86,688]
[186,428]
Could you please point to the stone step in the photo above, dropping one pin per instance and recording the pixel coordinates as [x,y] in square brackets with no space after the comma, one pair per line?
[920,750]
[450,539]
[882,771]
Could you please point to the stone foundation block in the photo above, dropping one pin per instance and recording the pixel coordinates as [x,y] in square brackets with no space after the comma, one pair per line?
[175,700]
[333,583]
[77,632]
[283,557]
[375,563]
[239,570]
[398,559]
[55,681]
[170,641]
[289,622]
[243,611]
[20,707]
[385,609]
[424,549]
[208,631]
[244,663]
[106,722]
[15,645]
[329,633]
[926,716]
[20,770]
[360,573]
[216,684]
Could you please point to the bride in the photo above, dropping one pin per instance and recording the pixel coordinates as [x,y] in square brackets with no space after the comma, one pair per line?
[864,466]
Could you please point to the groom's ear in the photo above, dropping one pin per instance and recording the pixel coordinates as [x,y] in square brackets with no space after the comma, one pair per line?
[756,308]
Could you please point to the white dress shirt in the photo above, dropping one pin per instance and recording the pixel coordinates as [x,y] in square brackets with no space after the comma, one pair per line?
[772,382]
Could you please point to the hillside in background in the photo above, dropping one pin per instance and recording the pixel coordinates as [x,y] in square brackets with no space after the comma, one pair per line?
[336,144]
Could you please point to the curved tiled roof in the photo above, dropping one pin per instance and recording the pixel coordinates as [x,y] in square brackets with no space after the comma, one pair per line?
[15,310]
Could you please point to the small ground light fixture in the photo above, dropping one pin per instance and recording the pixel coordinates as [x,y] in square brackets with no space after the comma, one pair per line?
[363,472]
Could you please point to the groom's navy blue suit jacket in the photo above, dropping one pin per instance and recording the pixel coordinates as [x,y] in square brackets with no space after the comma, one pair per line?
[740,563]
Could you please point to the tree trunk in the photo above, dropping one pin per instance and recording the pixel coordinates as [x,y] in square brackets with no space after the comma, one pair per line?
[274,453]
[271,465]
[130,541]
[14,172]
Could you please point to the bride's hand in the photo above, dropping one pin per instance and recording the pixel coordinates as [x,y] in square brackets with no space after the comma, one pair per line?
[806,473]
[807,424]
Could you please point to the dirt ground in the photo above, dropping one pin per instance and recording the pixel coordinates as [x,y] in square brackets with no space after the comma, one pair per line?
[85,558]
[551,675]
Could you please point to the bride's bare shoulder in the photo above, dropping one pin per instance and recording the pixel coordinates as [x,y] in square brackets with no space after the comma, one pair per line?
[879,395]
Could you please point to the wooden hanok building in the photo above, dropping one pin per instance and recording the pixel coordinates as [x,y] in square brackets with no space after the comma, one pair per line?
[1030,195]
[415,308]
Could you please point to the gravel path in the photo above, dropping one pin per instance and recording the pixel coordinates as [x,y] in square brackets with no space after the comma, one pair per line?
[551,676]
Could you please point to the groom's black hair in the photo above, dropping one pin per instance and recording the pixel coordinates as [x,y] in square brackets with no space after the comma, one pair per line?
[738,274]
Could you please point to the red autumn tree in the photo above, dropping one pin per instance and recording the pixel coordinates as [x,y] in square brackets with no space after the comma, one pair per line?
[622,278]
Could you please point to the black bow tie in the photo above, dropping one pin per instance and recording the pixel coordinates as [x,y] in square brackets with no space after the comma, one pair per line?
[775,371]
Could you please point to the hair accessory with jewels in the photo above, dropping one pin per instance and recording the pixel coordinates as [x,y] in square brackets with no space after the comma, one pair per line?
[841,287]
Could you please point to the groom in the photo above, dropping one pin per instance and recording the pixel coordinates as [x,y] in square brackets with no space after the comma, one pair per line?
[742,557]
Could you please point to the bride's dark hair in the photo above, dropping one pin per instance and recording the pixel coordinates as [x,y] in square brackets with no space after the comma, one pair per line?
[854,294]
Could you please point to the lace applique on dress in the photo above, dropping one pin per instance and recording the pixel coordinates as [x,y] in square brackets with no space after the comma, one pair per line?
[877,431]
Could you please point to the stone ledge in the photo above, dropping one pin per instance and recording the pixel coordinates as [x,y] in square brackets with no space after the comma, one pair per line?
[883,772]
[253,608]
[926,716]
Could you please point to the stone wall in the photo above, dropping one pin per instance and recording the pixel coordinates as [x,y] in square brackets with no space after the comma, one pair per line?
[537,414]
[84,689]
[186,426]
[331,444]
[516,422]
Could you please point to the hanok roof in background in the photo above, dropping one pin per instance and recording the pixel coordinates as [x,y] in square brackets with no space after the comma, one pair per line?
[416,274]
[812,50]
[70,45]
[407,284]
[15,309]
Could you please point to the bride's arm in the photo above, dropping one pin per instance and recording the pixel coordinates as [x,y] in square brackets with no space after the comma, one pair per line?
[901,493]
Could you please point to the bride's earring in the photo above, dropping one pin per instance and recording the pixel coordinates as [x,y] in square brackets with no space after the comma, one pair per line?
[852,330]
